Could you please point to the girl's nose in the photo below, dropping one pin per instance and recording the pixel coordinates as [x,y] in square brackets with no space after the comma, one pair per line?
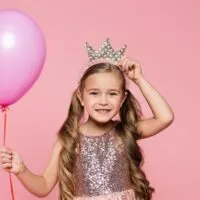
[103,99]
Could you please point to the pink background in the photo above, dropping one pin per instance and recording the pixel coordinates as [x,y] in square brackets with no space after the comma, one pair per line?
[162,35]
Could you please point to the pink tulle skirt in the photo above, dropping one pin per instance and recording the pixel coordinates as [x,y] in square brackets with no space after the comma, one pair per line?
[124,195]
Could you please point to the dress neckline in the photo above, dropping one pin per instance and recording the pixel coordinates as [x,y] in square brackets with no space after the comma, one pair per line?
[99,136]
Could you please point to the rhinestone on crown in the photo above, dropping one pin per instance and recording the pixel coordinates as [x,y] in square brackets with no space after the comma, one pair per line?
[105,53]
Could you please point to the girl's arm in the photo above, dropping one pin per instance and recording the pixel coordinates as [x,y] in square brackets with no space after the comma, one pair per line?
[39,185]
[163,114]
[42,185]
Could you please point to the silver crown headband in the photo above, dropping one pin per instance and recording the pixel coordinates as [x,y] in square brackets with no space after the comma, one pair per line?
[105,54]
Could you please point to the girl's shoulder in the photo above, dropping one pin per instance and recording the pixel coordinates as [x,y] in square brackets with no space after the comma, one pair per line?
[58,144]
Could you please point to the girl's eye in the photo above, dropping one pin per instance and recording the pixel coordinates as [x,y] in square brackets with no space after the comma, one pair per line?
[93,93]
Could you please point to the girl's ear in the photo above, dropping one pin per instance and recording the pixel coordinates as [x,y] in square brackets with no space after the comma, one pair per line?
[78,94]
[125,95]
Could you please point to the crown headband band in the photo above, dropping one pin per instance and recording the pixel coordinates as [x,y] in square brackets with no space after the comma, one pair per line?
[104,54]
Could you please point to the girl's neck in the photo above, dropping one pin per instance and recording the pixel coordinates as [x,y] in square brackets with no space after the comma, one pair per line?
[96,128]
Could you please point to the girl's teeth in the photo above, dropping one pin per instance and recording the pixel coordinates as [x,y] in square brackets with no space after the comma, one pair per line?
[102,111]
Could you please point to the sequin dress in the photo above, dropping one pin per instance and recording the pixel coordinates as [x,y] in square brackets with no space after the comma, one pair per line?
[102,170]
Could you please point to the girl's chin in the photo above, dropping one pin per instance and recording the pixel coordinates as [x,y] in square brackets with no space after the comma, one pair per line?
[102,118]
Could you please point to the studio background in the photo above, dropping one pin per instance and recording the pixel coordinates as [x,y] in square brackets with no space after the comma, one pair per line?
[162,35]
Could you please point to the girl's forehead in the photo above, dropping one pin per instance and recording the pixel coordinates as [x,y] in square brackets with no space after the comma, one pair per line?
[103,80]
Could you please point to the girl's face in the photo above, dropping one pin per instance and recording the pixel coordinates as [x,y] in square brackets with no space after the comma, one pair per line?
[102,96]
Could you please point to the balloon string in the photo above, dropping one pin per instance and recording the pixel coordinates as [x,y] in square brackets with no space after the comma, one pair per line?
[11,187]
[4,110]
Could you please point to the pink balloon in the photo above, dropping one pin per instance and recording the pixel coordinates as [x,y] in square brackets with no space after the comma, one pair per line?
[22,55]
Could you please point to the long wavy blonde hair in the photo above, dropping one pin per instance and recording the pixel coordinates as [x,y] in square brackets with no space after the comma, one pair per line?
[130,112]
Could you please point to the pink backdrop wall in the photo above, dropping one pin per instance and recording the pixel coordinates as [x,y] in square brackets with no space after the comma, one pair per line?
[162,35]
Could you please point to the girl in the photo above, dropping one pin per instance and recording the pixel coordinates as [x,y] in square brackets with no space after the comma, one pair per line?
[100,158]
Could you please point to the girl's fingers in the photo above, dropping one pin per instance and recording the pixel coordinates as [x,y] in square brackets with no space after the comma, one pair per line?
[131,67]
[6,160]
[6,165]
[5,155]
[122,59]
[3,150]
[127,64]
[124,64]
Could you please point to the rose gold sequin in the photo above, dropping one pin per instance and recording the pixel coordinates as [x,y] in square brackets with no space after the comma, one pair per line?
[102,169]
[124,195]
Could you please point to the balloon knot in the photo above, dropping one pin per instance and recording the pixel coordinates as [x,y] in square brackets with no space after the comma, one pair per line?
[4,108]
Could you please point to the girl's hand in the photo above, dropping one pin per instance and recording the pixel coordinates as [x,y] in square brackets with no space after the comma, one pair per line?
[11,161]
[131,68]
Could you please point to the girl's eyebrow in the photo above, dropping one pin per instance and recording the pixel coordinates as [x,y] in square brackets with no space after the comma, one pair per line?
[98,89]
